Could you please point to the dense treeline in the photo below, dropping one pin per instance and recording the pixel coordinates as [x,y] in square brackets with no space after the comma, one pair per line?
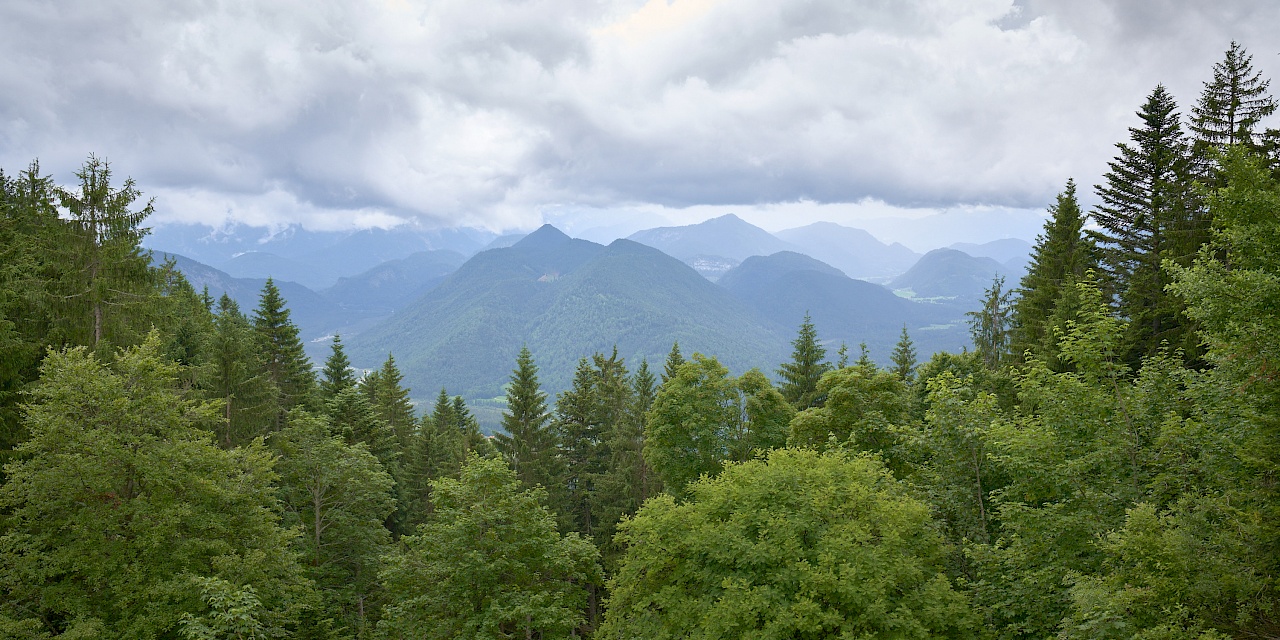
[1103,464]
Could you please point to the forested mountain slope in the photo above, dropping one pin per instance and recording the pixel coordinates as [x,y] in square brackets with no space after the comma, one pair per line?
[949,276]
[785,286]
[565,299]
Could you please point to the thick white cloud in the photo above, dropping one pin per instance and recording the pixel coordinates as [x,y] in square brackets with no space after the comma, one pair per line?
[496,112]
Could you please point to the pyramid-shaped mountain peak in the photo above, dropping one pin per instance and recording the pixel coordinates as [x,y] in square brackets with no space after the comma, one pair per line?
[728,218]
[546,236]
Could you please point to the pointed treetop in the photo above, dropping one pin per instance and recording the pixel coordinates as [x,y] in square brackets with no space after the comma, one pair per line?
[904,357]
[1233,103]
[337,375]
[674,360]
[864,358]
[808,362]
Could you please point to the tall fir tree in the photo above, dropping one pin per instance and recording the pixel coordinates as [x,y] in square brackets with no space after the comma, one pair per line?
[337,375]
[390,402]
[904,357]
[286,362]
[108,284]
[808,362]
[627,480]
[354,419]
[29,234]
[529,444]
[386,393]
[438,452]
[579,430]
[237,376]
[1231,107]
[587,415]
[1148,215]
[1061,257]
[624,480]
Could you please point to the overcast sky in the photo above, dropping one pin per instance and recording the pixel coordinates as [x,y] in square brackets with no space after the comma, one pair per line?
[602,115]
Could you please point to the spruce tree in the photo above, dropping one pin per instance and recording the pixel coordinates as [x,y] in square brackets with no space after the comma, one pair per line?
[1231,107]
[1059,260]
[473,440]
[904,357]
[437,453]
[29,265]
[528,445]
[353,418]
[1148,215]
[108,283]
[337,375]
[286,363]
[674,360]
[237,376]
[390,401]
[864,358]
[579,429]
[808,362]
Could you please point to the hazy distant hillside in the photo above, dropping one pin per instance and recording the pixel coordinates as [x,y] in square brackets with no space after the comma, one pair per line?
[1001,251]
[565,299]
[950,274]
[714,246]
[855,252]
[786,285]
[395,283]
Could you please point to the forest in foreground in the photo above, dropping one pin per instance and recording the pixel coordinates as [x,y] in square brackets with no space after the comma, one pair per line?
[1101,464]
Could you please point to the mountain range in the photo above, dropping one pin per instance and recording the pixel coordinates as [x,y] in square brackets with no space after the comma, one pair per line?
[565,299]
[458,322]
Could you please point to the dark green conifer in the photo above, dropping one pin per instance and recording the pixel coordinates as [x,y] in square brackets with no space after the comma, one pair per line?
[579,429]
[1148,214]
[529,445]
[904,357]
[337,375]
[390,400]
[238,377]
[674,360]
[286,363]
[107,284]
[1059,260]
[437,453]
[1229,110]
[808,362]
[864,358]
[627,480]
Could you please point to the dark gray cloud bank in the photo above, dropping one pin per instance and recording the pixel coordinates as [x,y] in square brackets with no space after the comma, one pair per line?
[507,113]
